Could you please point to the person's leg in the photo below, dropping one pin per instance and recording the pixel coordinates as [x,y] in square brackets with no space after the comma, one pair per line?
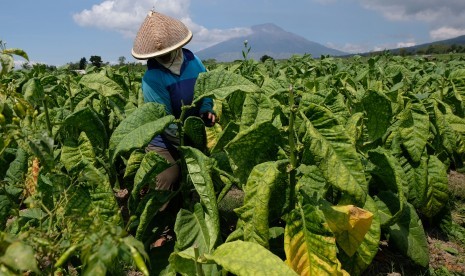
[167,179]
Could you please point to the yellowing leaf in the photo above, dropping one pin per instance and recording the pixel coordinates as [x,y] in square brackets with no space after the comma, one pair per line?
[349,224]
[309,244]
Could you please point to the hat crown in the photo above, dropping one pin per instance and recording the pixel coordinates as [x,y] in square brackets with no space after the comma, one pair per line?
[158,35]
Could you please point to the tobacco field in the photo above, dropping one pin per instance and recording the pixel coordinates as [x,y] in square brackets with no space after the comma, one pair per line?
[331,157]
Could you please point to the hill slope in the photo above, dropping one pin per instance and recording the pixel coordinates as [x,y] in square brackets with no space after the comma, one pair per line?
[266,39]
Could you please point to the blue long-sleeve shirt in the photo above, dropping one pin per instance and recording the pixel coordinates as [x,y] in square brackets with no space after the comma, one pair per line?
[161,86]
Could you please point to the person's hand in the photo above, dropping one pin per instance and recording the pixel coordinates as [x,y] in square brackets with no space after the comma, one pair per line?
[208,118]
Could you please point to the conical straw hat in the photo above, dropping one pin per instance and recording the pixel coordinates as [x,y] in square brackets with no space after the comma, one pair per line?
[158,35]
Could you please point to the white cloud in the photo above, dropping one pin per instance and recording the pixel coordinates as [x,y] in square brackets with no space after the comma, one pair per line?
[349,47]
[446,18]
[405,44]
[354,48]
[446,32]
[125,16]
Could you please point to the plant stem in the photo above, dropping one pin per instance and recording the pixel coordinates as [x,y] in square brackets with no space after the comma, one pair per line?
[47,117]
[180,122]
[293,164]
[68,87]
[198,267]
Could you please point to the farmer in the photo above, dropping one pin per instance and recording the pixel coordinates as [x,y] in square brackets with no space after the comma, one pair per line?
[169,80]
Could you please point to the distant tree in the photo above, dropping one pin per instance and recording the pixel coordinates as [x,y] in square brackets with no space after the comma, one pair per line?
[402,52]
[26,66]
[265,57]
[96,61]
[82,63]
[430,50]
[73,65]
[122,60]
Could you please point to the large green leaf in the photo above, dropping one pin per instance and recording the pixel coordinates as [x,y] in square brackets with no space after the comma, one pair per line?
[407,234]
[389,171]
[310,180]
[255,145]
[5,208]
[378,113]
[309,244]
[191,230]
[228,133]
[101,193]
[417,178]
[88,120]
[328,147]
[414,129]
[73,152]
[219,84]
[437,194]
[139,128]
[18,168]
[248,258]
[151,165]
[186,263]
[199,169]
[152,202]
[264,197]
[19,257]
[7,62]
[16,51]
[446,133]
[133,163]
[102,84]
[194,133]
[34,92]
[257,108]
[354,127]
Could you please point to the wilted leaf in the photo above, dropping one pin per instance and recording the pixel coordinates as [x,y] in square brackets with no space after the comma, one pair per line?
[309,244]
[368,248]
[349,224]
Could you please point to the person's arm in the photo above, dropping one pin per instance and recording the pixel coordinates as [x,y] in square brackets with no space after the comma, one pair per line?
[155,92]
[206,112]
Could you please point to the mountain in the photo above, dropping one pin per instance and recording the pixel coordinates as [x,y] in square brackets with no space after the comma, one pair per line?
[437,47]
[460,40]
[266,39]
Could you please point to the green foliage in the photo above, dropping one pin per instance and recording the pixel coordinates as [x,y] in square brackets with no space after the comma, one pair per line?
[330,155]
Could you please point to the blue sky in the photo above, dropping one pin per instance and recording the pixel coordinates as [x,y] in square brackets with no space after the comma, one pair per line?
[60,31]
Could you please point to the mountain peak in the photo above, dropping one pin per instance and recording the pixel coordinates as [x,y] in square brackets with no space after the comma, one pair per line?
[266,28]
[266,39]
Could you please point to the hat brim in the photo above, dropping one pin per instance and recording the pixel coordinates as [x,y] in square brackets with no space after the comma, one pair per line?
[164,51]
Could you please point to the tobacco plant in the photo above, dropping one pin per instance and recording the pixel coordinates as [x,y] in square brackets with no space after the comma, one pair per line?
[331,155]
